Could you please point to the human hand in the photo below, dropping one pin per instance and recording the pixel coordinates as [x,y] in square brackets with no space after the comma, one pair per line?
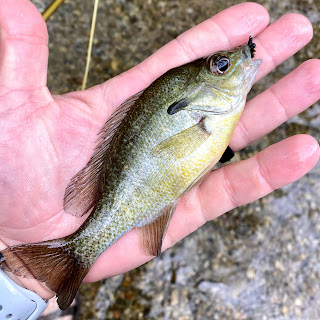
[45,140]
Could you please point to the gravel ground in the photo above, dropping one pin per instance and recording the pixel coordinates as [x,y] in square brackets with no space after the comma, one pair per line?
[260,261]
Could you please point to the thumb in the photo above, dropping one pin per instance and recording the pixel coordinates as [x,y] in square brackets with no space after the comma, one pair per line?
[23,46]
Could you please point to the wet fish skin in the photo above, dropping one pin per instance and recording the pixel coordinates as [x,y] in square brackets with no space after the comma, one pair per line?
[139,184]
[158,145]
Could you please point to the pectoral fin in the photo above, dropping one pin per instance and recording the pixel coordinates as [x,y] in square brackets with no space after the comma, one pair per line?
[152,234]
[183,143]
[227,155]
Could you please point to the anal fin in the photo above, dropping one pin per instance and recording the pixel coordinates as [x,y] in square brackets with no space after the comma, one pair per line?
[152,234]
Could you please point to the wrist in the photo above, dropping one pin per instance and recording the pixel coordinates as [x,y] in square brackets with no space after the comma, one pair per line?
[30,284]
[17,302]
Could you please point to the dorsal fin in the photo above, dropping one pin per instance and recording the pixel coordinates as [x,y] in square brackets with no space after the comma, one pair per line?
[82,192]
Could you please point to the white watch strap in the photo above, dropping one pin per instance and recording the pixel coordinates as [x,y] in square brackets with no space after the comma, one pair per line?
[17,303]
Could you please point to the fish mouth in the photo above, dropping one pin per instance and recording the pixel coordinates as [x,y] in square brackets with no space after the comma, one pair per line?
[249,49]
[250,66]
[246,53]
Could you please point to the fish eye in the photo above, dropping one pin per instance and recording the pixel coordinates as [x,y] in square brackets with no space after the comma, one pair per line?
[220,65]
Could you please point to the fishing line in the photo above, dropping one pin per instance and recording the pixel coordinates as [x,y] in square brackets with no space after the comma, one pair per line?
[93,24]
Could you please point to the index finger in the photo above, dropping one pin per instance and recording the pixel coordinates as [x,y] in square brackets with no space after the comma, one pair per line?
[225,30]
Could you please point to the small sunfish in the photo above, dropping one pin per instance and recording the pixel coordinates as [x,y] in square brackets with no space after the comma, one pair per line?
[154,148]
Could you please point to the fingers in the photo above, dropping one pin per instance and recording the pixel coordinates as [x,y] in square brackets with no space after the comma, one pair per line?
[23,46]
[224,189]
[227,29]
[281,40]
[243,182]
[288,97]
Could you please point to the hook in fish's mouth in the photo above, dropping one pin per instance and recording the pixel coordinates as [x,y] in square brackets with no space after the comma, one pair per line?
[249,49]
[251,46]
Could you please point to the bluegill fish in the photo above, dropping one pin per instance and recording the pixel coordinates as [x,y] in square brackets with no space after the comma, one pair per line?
[158,145]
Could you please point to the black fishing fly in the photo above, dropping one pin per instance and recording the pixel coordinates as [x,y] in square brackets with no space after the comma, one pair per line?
[252,46]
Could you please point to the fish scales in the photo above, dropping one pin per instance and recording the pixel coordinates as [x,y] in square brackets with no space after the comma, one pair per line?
[158,145]
[127,193]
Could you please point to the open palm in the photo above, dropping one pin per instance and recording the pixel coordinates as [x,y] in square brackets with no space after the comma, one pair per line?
[45,140]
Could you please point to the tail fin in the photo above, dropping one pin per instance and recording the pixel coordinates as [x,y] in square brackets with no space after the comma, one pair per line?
[50,262]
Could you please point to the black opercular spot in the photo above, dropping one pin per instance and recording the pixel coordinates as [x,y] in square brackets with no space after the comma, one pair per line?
[177,106]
